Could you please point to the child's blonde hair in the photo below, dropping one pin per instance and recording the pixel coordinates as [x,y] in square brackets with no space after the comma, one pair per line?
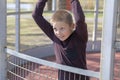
[62,16]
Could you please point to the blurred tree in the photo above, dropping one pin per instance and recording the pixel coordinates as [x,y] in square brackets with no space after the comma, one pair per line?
[61,4]
[91,4]
[49,5]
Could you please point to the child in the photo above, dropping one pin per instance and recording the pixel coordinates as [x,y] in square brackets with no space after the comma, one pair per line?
[69,39]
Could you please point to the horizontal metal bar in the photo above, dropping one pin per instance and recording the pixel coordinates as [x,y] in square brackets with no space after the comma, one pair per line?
[25,69]
[26,12]
[17,75]
[13,13]
[54,65]
[20,67]
[92,11]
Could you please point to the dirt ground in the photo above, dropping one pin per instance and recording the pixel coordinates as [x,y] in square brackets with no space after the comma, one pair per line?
[40,72]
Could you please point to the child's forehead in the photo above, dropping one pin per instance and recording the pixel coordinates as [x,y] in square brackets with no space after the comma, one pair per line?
[59,23]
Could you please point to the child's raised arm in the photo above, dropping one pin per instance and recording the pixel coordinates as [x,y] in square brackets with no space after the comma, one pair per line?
[81,27]
[40,20]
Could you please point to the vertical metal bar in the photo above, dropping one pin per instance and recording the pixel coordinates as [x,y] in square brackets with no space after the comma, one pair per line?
[79,77]
[25,66]
[74,76]
[15,68]
[3,58]
[29,68]
[19,60]
[85,77]
[59,74]
[53,5]
[17,44]
[95,24]
[108,40]
[69,75]
[38,71]
[64,74]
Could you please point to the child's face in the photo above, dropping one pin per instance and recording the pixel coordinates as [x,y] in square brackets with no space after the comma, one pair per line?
[62,30]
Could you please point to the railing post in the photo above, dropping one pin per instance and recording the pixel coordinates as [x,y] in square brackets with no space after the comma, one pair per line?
[95,24]
[3,62]
[17,43]
[54,5]
[108,40]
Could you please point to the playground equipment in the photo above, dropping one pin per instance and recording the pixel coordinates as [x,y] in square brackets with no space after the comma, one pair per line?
[111,21]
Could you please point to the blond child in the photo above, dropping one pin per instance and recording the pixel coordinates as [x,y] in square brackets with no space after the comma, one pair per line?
[69,38]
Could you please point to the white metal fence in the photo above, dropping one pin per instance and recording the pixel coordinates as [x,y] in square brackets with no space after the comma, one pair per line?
[24,67]
[18,66]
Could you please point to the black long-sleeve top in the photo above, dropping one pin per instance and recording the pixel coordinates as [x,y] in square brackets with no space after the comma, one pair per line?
[72,51]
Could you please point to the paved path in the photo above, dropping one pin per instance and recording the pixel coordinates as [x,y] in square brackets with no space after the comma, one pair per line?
[43,51]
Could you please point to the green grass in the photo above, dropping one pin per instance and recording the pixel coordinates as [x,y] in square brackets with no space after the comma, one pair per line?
[88,15]
[23,1]
[31,34]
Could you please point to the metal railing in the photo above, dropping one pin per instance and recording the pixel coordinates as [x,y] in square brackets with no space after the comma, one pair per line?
[18,65]
[22,67]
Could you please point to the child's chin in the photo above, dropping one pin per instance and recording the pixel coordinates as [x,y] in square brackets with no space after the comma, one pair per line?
[62,39]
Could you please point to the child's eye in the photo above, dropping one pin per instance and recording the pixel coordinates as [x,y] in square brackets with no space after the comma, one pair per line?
[62,28]
[54,29]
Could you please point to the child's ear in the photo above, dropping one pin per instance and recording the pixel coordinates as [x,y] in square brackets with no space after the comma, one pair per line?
[73,26]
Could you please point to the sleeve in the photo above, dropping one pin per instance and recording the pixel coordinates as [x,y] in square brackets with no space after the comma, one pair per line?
[40,20]
[81,26]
